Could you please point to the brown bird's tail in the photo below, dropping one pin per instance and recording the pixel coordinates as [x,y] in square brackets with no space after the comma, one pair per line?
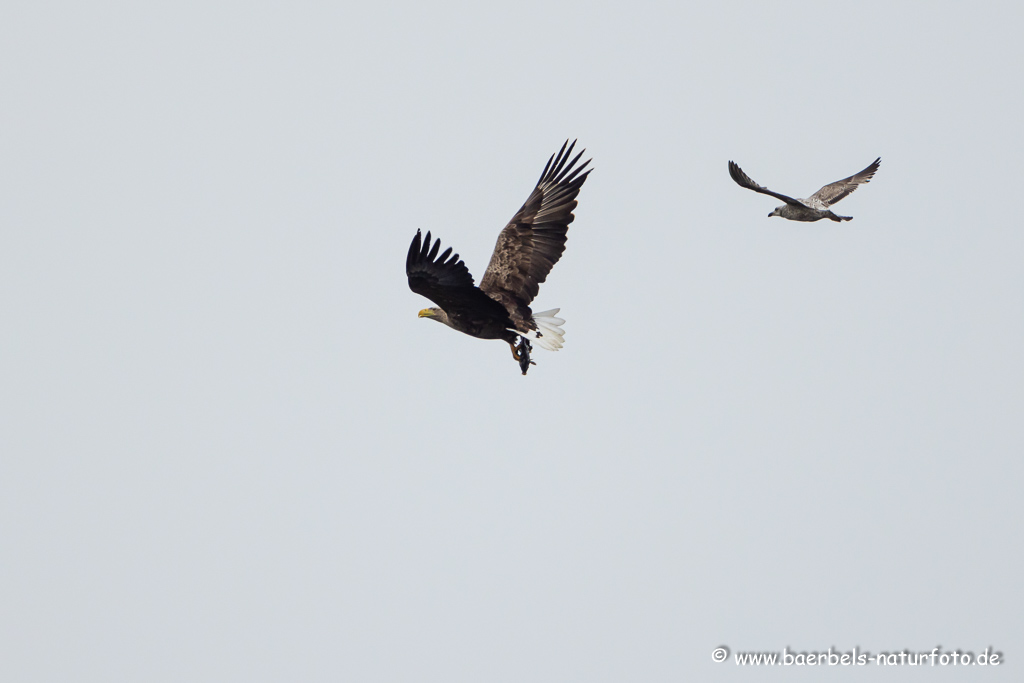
[839,219]
[549,333]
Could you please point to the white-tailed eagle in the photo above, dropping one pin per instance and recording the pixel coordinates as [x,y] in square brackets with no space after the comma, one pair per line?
[528,247]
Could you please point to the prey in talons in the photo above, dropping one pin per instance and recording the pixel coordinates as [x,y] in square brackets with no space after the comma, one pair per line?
[521,352]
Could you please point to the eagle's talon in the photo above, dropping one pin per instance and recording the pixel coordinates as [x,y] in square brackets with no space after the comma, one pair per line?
[524,349]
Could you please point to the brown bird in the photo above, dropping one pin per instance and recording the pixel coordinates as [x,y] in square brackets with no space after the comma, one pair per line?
[528,247]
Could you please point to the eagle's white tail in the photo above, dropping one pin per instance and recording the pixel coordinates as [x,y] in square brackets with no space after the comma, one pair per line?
[549,334]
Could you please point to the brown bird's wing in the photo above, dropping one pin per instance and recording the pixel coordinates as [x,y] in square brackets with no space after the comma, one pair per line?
[445,280]
[832,193]
[534,239]
[743,180]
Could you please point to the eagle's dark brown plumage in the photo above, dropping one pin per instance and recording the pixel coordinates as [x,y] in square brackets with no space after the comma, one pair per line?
[527,248]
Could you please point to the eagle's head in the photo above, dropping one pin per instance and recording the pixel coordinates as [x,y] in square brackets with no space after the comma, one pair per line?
[434,313]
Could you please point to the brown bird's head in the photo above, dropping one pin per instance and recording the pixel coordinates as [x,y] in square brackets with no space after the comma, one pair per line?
[435,313]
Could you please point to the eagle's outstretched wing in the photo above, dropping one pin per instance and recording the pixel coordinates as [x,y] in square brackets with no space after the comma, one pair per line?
[743,180]
[534,239]
[833,192]
[444,279]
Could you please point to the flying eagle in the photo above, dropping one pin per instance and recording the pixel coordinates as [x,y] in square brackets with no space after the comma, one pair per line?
[815,207]
[527,249]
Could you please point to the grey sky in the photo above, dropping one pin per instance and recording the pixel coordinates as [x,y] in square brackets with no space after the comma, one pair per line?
[231,451]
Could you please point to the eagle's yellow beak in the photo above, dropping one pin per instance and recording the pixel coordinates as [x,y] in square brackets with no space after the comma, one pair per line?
[426,313]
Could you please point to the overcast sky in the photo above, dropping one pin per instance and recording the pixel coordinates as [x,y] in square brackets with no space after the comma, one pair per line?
[230,451]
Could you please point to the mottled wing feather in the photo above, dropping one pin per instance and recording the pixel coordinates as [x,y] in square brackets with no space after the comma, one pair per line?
[444,278]
[743,180]
[533,241]
[832,193]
